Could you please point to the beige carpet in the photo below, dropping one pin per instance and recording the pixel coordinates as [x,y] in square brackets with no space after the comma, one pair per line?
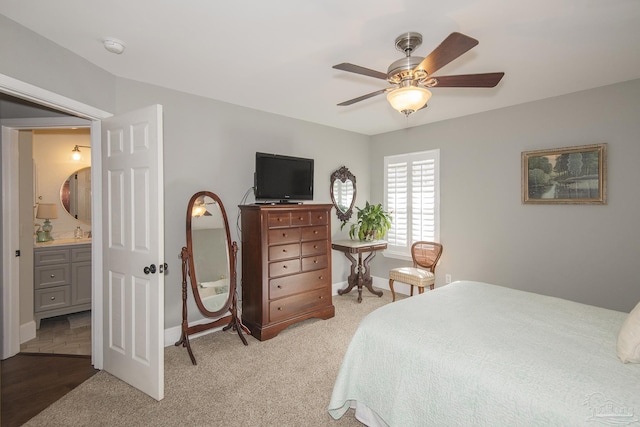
[285,381]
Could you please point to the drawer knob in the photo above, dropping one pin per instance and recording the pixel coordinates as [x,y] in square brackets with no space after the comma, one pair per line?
[315,246]
[321,297]
[315,231]
[321,277]
[279,219]
[279,287]
[279,308]
[53,298]
[315,261]
[284,234]
[284,266]
[52,276]
[284,250]
[301,218]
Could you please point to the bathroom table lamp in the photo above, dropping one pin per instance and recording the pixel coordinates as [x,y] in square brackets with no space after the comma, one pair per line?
[47,211]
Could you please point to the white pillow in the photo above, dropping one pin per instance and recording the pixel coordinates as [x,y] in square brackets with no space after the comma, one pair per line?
[628,347]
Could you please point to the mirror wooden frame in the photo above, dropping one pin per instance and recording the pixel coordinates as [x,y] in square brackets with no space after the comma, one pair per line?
[343,174]
[230,308]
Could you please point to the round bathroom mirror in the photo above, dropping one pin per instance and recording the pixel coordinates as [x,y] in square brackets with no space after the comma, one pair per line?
[75,195]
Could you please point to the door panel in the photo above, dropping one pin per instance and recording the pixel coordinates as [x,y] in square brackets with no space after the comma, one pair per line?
[134,311]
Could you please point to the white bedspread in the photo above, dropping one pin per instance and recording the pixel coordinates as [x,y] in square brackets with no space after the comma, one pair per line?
[470,354]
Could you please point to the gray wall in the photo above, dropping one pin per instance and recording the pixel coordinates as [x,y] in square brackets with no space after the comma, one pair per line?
[30,58]
[586,253]
[211,145]
[208,145]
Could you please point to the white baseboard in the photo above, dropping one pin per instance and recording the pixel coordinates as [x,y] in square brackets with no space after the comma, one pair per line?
[172,335]
[27,331]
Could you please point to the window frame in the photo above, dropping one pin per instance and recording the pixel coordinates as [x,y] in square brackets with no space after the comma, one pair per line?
[404,252]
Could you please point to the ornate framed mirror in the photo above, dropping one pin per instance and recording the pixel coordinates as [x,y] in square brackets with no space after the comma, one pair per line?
[75,195]
[209,261]
[343,192]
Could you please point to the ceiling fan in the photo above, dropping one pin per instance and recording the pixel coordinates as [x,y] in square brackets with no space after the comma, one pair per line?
[412,75]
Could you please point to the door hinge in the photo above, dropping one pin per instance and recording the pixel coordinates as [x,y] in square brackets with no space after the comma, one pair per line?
[18,252]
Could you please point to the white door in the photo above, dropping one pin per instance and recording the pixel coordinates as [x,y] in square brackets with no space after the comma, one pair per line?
[133,248]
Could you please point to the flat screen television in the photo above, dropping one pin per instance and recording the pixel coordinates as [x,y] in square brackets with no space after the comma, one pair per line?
[283,178]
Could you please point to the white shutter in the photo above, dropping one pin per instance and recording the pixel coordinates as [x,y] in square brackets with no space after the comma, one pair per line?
[397,201]
[423,200]
[412,198]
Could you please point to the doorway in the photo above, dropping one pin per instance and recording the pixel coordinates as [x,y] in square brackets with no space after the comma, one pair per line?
[51,176]
[51,110]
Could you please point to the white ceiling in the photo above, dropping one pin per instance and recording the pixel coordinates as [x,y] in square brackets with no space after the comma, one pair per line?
[276,56]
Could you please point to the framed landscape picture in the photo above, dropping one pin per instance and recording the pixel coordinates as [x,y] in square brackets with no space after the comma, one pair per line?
[565,175]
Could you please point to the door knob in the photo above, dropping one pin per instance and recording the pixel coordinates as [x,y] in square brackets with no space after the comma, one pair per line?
[151,269]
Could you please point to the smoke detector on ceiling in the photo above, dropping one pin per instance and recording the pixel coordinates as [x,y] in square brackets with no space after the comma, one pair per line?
[113,45]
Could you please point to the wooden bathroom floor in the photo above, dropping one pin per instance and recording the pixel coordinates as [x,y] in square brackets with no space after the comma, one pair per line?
[56,336]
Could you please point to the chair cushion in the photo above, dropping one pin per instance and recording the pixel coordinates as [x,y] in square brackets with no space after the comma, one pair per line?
[412,276]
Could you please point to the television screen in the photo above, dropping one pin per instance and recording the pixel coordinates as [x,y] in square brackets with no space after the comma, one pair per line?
[283,178]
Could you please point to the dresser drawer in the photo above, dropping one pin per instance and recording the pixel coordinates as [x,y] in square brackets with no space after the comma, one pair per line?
[278,252]
[284,235]
[289,285]
[282,268]
[278,219]
[318,217]
[314,262]
[314,233]
[284,308]
[55,275]
[300,218]
[49,299]
[318,247]
[50,257]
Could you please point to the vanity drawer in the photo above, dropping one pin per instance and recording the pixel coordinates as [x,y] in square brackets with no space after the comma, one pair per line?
[48,276]
[49,299]
[314,262]
[285,308]
[285,235]
[282,268]
[289,285]
[314,233]
[318,247]
[284,251]
[278,219]
[50,257]
[81,254]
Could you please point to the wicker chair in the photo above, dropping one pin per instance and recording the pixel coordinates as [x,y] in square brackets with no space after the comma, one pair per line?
[425,258]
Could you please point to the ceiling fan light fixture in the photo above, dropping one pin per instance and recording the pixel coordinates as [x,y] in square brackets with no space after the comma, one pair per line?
[408,99]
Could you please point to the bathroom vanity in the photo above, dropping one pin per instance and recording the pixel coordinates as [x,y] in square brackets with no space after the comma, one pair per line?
[62,278]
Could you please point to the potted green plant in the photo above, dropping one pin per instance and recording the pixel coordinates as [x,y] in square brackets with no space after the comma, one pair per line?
[372,223]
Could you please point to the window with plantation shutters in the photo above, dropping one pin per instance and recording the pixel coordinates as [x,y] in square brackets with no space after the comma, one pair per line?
[412,198]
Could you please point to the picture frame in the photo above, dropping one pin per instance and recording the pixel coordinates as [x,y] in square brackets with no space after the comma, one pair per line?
[568,175]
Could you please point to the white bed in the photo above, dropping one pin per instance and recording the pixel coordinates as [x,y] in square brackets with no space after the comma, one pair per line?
[470,354]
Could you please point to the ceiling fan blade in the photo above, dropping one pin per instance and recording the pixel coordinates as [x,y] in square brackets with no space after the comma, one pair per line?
[451,48]
[345,66]
[464,80]
[363,97]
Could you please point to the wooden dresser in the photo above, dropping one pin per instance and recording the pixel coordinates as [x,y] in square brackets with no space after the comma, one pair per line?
[286,266]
